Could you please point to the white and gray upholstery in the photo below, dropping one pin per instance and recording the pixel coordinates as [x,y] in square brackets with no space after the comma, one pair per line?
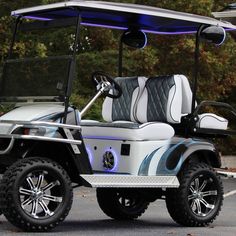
[212,121]
[122,108]
[161,100]
[120,115]
[145,108]
[128,131]
[206,120]
[187,95]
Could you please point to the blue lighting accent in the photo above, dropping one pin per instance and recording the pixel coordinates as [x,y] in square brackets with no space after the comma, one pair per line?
[223,38]
[116,159]
[122,21]
[143,30]
[90,155]
[145,44]
[103,138]
[104,26]
[170,33]
[38,18]
[177,32]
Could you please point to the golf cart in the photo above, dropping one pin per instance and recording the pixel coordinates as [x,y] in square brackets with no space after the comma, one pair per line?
[154,144]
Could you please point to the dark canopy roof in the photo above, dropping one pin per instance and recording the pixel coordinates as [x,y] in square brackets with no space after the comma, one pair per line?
[122,16]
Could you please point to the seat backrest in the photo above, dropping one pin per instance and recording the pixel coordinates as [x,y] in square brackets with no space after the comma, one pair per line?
[122,108]
[161,100]
[187,95]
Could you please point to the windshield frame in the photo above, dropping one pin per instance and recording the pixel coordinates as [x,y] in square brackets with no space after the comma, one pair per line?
[72,66]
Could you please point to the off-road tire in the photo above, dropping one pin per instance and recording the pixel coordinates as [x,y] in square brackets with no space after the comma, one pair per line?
[178,200]
[10,199]
[109,201]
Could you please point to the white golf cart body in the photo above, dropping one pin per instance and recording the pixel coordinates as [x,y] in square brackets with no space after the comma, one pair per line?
[150,132]
[138,135]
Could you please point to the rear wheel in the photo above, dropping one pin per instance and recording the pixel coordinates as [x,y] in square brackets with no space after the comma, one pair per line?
[121,204]
[199,198]
[36,194]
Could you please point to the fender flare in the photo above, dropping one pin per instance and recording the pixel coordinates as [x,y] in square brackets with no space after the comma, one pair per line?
[178,154]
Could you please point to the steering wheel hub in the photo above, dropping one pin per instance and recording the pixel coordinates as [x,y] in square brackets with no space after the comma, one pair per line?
[106,84]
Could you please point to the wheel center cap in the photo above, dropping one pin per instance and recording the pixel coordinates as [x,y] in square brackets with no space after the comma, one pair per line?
[37,195]
[199,195]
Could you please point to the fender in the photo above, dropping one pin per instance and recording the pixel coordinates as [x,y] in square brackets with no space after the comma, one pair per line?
[74,160]
[71,157]
[176,156]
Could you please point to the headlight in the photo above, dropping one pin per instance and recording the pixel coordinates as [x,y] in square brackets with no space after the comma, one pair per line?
[5,128]
[30,131]
[33,131]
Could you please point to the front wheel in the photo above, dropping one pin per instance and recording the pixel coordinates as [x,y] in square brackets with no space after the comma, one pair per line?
[199,198]
[36,194]
[121,204]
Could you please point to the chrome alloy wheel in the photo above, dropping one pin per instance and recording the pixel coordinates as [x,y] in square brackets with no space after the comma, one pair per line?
[202,196]
[40,194]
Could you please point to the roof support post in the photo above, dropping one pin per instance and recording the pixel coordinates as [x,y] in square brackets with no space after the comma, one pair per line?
[120,63]
[72,67]
[18,20]
[196,67]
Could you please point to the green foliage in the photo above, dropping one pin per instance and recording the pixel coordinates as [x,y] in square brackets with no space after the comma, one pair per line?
[94,113]
[99,51]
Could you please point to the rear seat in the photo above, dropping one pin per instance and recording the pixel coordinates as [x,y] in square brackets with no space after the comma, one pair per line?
[206,120]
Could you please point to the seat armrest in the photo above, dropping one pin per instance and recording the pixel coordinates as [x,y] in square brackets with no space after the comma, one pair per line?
[209,123]
[214,104]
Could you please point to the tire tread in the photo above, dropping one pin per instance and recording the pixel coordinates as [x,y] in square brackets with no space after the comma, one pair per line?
[175,197]
[7,191]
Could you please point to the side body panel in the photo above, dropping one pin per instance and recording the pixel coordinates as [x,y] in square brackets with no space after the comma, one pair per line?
[145,158]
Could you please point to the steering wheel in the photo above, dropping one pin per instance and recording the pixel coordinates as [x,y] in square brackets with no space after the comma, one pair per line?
[105,83]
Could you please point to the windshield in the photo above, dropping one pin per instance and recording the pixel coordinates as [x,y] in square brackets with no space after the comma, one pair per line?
[45,78]
[38,69]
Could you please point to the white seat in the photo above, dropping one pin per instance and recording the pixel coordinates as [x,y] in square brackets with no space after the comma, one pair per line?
[146,108]
[161,100]
[212,121]
[122,108]
[128,131]
[121,116]
[205,120]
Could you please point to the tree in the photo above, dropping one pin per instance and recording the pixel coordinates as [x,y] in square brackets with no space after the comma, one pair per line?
[163,54]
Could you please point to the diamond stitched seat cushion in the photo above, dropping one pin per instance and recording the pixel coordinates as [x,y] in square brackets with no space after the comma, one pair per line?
[161,100]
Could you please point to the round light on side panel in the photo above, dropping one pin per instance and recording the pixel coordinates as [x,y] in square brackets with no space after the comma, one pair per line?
[109,160]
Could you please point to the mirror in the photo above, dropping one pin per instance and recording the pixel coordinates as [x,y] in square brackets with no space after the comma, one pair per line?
[213,34]
[134,38]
